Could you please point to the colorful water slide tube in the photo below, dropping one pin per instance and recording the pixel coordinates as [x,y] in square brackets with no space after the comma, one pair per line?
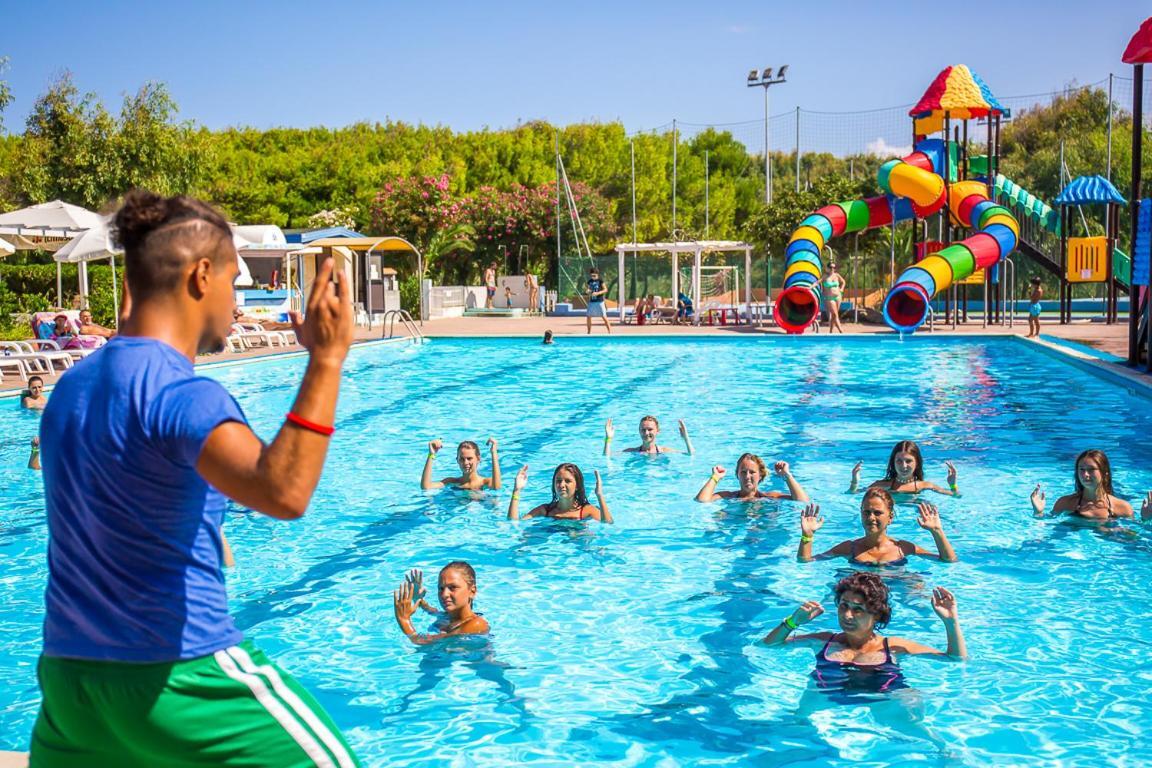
[914,189]
[906,306]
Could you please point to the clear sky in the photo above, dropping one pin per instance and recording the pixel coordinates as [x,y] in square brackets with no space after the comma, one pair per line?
[476,64]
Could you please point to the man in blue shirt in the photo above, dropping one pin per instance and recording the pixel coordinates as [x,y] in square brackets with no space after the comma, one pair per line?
[142,665]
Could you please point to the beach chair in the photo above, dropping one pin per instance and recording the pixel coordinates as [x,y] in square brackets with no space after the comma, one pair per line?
[42,360]
[10,364]
[253,335]
[78,346]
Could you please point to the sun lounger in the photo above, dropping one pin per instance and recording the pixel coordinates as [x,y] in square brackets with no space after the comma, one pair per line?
[44,351]
[8,363]
[253,335]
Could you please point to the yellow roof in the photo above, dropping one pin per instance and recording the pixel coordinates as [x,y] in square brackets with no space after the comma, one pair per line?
[361,244]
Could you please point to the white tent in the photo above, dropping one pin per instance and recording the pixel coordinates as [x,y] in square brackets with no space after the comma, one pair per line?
[48,227]
[696,248]
[92,245]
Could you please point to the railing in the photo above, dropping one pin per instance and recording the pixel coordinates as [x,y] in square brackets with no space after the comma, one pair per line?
[388,325]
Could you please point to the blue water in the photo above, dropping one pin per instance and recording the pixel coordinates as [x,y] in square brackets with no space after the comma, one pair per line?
[637,644]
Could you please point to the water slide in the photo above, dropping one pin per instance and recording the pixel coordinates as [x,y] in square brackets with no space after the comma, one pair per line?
[914,188]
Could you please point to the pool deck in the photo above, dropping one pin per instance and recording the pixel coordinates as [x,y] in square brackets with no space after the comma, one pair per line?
[1107,339]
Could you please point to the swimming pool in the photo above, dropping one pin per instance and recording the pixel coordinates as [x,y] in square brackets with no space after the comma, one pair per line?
[636,644]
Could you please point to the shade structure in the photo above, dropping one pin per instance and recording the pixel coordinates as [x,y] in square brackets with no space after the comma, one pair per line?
[959,92]
[352,253]
[93,244]
[1090,190]
[1139,50]
[6,248]
[46,226]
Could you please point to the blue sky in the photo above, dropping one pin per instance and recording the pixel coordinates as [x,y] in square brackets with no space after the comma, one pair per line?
[471,65]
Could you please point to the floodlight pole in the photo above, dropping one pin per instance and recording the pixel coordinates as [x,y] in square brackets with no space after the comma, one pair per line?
[765,81]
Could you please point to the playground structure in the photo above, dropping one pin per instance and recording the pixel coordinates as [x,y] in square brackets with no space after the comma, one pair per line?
[932,179]
[1138,53]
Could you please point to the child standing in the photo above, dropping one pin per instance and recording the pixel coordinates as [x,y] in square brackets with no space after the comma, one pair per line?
[508,296]
[1034,308]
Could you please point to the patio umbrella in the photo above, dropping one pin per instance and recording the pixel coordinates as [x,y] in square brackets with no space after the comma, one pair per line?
[92,245]
[47,226]
[6,248]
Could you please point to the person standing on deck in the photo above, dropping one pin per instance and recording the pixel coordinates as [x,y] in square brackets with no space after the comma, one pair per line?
[490,285]
[141,664]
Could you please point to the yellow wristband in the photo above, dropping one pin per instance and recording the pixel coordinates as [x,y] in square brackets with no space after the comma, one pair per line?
[516,495]
[431,454]
[715,478]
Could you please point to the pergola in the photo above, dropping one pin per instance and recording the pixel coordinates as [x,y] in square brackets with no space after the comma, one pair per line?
[342,249]
[697,248]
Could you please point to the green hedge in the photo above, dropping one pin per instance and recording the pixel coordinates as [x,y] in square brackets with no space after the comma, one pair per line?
[26,288]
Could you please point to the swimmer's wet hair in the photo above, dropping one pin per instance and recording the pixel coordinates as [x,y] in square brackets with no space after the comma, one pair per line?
[467,444]
[879,493]
[581,495]
[162,236]
[464,568]
[1101,460]
[875,593]
[759,462]
[905,446]
[652,419]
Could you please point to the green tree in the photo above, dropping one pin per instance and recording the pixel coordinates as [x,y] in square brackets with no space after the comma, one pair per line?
[5,91]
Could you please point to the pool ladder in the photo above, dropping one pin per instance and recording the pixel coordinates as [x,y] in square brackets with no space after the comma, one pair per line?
[388,325]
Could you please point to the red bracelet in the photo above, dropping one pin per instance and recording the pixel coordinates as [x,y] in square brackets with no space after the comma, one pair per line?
[311,426]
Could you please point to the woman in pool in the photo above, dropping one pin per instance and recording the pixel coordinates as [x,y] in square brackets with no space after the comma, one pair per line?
[468,459]
[750,471]
[833,294]
[33,397]
[906,473]
[569,499]
[457,591]
[1094,499]
[649,432]
[877,511]
[858,659]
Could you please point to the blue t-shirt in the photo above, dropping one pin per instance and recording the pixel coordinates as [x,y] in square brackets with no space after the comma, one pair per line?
[595,285]
[134,548]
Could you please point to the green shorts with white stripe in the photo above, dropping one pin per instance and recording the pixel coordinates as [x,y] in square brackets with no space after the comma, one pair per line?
[233,708]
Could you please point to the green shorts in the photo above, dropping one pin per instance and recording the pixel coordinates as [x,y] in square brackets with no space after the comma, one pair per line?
[233,708]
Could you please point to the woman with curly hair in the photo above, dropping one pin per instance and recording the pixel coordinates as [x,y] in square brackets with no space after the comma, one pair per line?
[569,498]
[858,658]
[751,471]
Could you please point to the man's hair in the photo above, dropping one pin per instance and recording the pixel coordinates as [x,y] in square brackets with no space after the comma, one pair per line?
[33,379]
[162,236]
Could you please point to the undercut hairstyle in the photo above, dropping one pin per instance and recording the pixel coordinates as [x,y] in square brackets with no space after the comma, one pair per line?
[879,493]
[872,589]
[1101,460]
[759,462]
[905,446]
[162,236]
[464,568]
[581,495]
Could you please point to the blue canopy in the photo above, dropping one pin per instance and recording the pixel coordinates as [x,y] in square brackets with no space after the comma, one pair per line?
[1087,190]
[305,237]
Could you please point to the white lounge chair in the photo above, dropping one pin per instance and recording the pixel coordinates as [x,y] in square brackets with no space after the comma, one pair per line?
[15,365]
[43,351]
[253,335]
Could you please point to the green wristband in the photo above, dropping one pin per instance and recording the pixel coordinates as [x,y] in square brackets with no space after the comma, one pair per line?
[805,538]
[790,624]
[431,454]
[716,478]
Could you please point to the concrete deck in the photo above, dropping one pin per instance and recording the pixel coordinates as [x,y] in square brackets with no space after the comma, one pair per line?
[1111,339]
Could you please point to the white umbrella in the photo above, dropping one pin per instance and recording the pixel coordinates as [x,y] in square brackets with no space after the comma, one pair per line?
[47,226]
[6,248]
[92,245]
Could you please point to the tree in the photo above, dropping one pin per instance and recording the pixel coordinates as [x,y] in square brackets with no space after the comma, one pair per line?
[5,91]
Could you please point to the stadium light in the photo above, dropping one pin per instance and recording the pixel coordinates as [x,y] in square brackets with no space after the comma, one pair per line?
[763,80]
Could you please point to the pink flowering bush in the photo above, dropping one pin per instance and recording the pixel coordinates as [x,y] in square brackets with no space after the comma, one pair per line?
[498,221]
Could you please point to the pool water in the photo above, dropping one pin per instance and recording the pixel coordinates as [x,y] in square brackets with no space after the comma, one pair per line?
[637,644]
